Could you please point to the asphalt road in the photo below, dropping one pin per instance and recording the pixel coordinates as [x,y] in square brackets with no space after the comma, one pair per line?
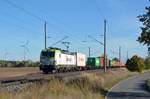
[132,88]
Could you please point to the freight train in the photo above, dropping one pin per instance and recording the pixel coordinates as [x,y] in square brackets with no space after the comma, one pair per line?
[55,59]
[98,62]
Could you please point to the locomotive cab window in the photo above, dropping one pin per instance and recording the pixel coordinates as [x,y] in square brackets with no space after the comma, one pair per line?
[48,54]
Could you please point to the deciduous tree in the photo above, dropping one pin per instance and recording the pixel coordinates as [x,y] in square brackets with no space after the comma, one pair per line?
[135,64]
[144,38]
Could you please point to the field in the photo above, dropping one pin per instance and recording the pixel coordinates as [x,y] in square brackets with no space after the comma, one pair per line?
[87,86]
[12,72]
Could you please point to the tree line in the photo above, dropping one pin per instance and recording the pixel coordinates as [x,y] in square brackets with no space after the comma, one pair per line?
[28,63]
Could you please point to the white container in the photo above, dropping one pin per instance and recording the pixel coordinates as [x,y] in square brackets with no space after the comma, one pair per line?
[81,59]
[65,59]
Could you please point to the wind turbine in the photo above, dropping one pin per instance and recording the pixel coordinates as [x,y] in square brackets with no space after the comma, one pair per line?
[5,55]
[26,49]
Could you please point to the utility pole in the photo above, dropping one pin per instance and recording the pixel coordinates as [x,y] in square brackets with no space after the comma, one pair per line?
[105,63]
[45,37]
[127,55]
[5,60]
[25,48]
[120,53]
[89,51]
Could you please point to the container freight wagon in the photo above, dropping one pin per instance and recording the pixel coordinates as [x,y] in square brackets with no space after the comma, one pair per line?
[80,60]
[108,64]
[93,63]
[102,62]
[98,62]
[117,64]
[54,59]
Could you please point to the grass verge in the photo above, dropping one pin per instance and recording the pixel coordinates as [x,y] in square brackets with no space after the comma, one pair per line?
[87,86]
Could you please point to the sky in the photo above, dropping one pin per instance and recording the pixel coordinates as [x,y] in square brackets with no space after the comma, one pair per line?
[73,18]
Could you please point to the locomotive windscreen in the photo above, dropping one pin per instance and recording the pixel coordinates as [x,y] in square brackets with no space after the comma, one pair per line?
[48,54]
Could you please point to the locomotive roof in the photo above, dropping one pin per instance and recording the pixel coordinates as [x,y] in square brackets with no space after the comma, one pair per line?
[55,48]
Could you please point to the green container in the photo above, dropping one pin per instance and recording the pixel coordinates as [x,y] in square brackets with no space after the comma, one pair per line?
[93,62]
[97,63]
[110,63]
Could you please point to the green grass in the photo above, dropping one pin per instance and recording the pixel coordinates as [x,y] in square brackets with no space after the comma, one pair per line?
[87,86]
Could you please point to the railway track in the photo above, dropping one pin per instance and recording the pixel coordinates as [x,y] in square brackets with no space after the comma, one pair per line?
[14,84]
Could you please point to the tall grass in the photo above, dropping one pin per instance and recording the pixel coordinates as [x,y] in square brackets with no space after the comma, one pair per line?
[87,86]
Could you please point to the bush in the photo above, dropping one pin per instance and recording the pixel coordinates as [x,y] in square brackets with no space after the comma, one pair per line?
[147,63]
[135,64]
